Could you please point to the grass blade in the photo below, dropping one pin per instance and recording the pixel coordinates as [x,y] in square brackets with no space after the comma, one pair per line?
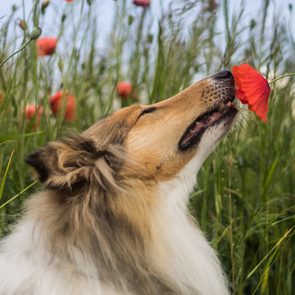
[17,195]
[5,174]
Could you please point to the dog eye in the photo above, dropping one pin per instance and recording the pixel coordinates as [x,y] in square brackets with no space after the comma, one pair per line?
[147,111]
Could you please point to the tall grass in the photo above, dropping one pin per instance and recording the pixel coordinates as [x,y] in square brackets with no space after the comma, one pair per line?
[246,190]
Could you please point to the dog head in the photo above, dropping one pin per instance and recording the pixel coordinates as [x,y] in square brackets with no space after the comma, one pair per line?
[145,142]
[103,186]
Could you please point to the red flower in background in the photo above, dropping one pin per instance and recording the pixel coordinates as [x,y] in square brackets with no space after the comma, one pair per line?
[252,89]
[46,45]
[124,89]
[34,111]
[69,1]
[143,3]
[63,101]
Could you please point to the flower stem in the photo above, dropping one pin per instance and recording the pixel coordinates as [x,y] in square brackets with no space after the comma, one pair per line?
[10,56]
[281,77]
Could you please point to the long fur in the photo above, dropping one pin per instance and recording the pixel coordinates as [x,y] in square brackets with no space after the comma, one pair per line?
[95,230]
[66,244]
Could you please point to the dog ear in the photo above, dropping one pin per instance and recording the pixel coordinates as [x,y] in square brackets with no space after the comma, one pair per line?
[74,162]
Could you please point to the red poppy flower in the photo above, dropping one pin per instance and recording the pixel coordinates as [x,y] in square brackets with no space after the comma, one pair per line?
[46,45]
[33,111]
[124,89]
[143,3]
[69,1]
[63,101]
[252,89]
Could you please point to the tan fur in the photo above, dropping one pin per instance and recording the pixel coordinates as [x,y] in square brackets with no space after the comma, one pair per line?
[101,189]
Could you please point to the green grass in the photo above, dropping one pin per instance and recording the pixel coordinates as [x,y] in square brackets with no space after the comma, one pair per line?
[246,189]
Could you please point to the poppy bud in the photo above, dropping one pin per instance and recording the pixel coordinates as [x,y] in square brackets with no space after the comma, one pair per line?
[212,6]
[44,5]
[35,34]
[22,24]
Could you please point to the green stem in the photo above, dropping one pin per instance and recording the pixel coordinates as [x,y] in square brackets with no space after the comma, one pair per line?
[22,48]
[17,195]
[281,77]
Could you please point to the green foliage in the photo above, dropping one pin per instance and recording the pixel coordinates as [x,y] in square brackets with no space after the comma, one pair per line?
[246,189]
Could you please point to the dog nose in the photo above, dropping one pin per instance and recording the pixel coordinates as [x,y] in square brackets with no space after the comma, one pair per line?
[223,75]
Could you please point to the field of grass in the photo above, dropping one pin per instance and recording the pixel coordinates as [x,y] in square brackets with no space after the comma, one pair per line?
[246,190]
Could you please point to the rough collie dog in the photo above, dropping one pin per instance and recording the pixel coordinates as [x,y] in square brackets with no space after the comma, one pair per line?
[112,217]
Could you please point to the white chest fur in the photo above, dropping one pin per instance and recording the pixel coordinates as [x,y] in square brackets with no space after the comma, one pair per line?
[191,261]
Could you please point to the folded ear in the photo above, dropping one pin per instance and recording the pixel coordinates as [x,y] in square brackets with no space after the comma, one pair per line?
[76,161]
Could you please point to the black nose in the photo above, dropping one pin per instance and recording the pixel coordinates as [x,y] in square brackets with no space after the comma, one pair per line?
[224,74]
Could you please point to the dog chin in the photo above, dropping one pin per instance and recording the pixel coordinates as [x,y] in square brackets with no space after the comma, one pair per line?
[209,142]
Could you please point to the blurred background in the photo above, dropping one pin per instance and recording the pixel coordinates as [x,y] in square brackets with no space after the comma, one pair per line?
[96,56]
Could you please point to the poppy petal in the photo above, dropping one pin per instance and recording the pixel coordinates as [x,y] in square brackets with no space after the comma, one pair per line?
[252,89]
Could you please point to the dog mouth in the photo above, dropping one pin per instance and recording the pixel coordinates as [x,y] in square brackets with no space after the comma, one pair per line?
[224,112]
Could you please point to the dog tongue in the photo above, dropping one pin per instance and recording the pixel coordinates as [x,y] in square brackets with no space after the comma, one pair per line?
[196,128]
[213,117]
[203,123]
